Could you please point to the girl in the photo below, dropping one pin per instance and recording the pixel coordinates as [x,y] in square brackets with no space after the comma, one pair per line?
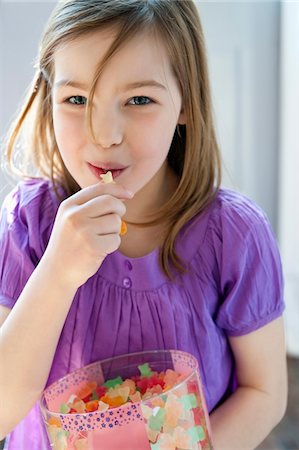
[123,87]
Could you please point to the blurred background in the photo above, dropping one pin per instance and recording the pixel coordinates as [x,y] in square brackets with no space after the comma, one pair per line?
[253,52]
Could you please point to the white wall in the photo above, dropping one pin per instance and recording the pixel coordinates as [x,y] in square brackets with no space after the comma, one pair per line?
[21,25]
[243,46]
[289,165]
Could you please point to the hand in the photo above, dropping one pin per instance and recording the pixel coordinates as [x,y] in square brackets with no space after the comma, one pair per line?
[86,229]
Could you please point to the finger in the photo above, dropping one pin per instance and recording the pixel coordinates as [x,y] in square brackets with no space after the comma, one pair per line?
[90,192]
[103,205]
[109,224]
[107,244]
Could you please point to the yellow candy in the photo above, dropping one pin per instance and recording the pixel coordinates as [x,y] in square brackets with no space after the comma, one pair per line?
[174,411]
[78,406]
[124,392]
[107,177]
[81,444]
[152,435]
[103,406]
[146,411]
[136,397]
[55,422]
[182,439]
[166,442]
[131,384]
[171,378]
[157,401]
[119,391]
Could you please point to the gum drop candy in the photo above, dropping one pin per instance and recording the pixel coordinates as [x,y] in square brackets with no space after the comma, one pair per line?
[107,177]
[145,370]
[64,408]
[116,392]
[156,421]
[114,382]
[168,411]
[86,390]
[123,228]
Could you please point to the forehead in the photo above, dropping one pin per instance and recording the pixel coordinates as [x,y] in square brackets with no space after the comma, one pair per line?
[143,55]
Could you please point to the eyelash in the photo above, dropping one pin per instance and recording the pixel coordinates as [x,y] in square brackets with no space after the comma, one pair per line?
[67,100]
[143,97]
[149,100]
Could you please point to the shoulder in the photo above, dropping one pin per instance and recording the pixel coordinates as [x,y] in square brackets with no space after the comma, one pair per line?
[235,213]
[231,219]
[30,194]
[31,206]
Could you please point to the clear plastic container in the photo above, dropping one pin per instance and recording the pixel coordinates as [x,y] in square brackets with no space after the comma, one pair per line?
[173,420]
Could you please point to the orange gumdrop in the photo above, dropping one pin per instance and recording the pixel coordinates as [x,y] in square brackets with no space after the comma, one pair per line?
[123,228]
[113,401]
[54,421]
[92,405]
[87,389]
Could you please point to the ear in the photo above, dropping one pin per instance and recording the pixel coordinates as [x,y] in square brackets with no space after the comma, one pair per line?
[182,119]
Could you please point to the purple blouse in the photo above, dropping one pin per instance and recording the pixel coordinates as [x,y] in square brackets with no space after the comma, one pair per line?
[232,287]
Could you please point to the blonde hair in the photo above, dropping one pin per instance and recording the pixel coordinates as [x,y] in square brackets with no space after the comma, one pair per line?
[194,153]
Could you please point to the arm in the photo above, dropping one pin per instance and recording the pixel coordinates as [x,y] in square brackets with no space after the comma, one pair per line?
[86,229]
[259,402]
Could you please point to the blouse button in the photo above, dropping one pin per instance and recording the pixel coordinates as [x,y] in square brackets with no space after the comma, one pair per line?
[128,265]
[127,282]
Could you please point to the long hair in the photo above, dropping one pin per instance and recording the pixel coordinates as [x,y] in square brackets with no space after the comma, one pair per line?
[194,153]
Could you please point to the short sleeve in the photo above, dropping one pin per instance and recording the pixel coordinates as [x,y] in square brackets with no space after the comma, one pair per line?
[25,221]
[251,275]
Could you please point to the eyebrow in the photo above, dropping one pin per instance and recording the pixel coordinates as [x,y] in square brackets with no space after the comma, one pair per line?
[143,83]
[75,84]
[126,87]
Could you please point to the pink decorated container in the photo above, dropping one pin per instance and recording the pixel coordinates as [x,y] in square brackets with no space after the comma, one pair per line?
[175,419]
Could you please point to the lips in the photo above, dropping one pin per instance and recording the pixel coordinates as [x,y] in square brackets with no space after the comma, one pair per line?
[100,169]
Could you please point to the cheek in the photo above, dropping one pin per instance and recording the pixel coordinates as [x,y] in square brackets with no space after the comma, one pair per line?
[68,132]
[152,138]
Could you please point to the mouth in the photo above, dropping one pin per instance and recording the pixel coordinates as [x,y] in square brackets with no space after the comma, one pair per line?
[98,170]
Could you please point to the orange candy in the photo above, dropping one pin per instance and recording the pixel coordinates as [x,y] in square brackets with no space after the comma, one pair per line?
[54,421]
[87,389]
[113,401]
[123,228]
[116,392]
[92,406]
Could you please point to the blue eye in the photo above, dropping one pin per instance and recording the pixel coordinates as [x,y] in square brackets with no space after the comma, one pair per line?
[77,100]
[140,101]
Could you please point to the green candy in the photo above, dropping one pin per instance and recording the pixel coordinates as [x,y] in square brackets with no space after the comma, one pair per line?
[64,408]
[156,422]
[145,370]
[155,446]
[189,401]
[196,433]
[114,382]
[94,396]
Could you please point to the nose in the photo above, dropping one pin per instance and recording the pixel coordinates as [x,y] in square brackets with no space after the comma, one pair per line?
[107,129]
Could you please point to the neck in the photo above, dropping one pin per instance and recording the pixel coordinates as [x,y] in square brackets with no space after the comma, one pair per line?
[151,197]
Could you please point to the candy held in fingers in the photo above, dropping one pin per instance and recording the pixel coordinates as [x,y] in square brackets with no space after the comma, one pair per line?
[123,228]
[108,178]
